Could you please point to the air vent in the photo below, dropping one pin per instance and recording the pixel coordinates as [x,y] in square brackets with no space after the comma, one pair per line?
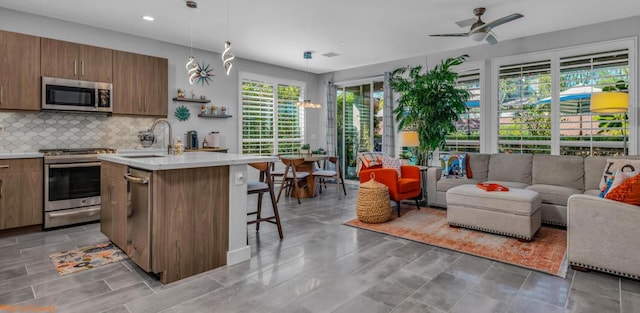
[330,54]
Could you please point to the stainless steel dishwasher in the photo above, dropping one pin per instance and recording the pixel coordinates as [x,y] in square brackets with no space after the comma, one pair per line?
[139,217]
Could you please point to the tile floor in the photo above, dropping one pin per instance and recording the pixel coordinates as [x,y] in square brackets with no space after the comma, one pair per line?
[320,266]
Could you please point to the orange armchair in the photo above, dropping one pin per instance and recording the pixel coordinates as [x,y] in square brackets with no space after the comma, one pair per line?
[407,186]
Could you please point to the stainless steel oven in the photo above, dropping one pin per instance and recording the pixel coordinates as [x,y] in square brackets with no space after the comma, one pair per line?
[71,186]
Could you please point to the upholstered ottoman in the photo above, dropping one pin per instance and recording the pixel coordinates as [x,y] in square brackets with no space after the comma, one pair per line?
[514,213]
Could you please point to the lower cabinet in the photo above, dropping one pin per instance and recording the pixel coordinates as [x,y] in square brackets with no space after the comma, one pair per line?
[113,213]
[21,186]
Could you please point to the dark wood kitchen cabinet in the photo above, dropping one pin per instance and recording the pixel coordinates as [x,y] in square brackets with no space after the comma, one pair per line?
[63,59]
[21,202]
[113,211]
[20,72]
[140,84]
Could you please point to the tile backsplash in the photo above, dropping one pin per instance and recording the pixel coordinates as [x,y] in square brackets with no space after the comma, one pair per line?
[29,132]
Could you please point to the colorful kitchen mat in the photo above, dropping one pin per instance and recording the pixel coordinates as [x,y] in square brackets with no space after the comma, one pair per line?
[71,261]
[545,253]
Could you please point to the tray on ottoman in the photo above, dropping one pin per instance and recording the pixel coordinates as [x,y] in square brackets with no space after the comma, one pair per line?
[514,213]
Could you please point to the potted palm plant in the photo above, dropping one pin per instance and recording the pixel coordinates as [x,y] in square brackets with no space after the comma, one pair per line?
[430,103]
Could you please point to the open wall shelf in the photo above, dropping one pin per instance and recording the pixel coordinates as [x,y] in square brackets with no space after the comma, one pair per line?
[214,115]
[191,100]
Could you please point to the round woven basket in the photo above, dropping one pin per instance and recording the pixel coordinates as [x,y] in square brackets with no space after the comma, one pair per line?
[373,204]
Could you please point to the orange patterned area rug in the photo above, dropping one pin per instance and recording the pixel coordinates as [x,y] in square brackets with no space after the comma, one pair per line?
[546,253]
[71,261]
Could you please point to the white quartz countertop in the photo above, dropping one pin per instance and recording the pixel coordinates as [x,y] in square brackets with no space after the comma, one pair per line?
[158,162]
[20,155]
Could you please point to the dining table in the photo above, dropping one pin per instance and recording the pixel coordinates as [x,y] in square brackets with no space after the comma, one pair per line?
[308,167]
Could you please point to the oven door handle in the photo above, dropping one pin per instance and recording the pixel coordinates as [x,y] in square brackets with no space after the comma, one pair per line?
[74,165]
[136,180]
[88,211]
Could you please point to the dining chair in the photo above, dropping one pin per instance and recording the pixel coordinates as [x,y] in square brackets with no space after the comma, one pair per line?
[336,174]
[292,179]
[276,173]
[264,185]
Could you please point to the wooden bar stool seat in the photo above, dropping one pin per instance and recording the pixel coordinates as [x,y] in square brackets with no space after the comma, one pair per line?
[264,185]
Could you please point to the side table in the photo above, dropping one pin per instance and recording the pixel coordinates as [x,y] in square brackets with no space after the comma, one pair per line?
[423,182]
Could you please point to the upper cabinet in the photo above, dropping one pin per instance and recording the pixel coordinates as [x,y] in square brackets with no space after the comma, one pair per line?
[63,59]
[140,84]
[19,71]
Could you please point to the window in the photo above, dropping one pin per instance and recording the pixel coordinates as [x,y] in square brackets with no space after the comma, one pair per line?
[524,121]
[467,134]
[583,132]
[271,124]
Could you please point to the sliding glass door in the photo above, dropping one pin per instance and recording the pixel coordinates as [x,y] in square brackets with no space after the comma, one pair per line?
[359,122]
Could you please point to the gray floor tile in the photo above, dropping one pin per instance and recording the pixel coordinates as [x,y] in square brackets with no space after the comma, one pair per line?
[293,308]
[379,269]
[13,272]
[630,285]
[287,292]
[226,299]
[630,302]
[331,297]
[431,263]
[502,285]
[79,279]
[525,305]
[108,301]
[16,296]
[597,283]
[42,266]
[281,273]
[120,309]
[546,288]
[381,248]
[26,281]
[410,251]
[469,266]
[584,302]
[72,295]
[473,302]
[363,304]
[412,306]
[171,297]
[512,268]
[442,292]
[396,288]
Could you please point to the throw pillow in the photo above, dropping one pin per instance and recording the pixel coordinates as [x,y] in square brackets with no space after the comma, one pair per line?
[369,159]
[619,165]
[607,187]
[388,162]
[619,179]
[454,166]
[468,167]
[628,192]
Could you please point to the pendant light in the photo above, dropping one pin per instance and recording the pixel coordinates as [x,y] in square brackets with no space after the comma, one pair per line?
[307,103]
[192,64]
[227,56]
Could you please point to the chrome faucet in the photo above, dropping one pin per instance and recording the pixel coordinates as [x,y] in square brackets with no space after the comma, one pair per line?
[170,150]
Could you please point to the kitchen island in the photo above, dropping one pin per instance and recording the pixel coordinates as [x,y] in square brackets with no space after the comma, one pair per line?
[177,216]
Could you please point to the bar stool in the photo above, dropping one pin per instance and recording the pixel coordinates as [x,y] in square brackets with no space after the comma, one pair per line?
[321,175]
[292,179]
[265,184]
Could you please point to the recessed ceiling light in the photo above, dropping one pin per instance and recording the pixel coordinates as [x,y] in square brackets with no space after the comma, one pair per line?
[148,18]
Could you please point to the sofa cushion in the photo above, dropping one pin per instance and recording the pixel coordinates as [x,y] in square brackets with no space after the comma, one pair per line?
[454,165]
[508,184]
[620,165]
[554,194]
[558,170]
[394,163]
[478,165]
[510,167]
[445,184]
[627,192]
[592,192]
[593,166]
[408,185]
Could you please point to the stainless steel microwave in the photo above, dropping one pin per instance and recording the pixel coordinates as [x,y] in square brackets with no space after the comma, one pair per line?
[76,95]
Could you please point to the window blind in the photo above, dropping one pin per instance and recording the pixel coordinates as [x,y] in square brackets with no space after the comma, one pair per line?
[467,134]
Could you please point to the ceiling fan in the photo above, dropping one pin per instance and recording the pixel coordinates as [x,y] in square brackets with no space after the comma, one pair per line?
[480,30]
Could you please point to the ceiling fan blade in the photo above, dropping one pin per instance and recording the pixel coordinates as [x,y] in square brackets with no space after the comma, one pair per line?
[467,23]
[500,21]
[451,35]
[491,38]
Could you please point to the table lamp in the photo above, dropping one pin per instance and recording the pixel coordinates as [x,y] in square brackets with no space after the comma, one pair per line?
[610,103]
[410,140]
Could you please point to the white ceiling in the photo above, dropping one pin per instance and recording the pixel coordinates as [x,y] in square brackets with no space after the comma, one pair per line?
[362,32]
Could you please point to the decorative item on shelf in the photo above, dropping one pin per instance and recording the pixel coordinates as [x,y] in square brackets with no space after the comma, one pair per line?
[180,93]
[146,137]
[223,110]
[306,103]
[205,143]
[193,95]
[227,56]
[203,97]
[179,147]
[182,113]
[214,110]
[203,109]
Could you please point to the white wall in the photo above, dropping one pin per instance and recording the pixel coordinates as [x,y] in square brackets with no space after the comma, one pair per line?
[223,91]
[624,28]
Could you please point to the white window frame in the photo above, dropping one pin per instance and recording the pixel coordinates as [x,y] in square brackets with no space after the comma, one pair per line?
[275,81]
[479,65]
[554,56]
